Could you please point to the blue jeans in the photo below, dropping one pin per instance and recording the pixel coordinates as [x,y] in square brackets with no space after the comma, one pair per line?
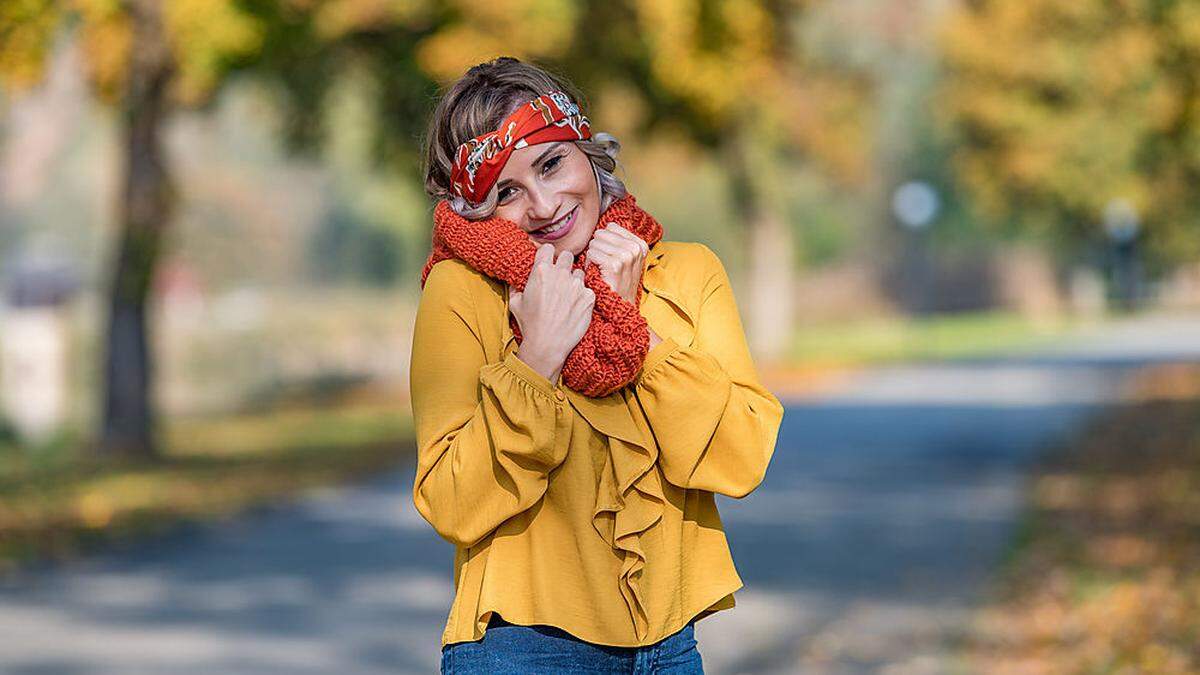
[510,649]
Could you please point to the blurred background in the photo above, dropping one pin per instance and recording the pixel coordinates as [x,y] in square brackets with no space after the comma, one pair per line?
[964,237]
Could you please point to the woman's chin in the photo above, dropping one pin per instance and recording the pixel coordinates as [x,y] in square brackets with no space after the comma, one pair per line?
[585,238]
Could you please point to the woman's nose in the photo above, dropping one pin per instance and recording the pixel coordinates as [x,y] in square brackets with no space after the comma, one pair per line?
[541,206]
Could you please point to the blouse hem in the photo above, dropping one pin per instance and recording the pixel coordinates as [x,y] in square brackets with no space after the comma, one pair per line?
[676,625]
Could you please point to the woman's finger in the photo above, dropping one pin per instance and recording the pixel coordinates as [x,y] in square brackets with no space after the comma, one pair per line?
[598,257]
[615,228]
[625,234]
[613,250]
[641,244]
[605,261]
[624,243]
[564,260]
[607,245]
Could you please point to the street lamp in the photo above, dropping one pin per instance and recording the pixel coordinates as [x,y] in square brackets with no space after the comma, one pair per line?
[1122,223]
[915,204]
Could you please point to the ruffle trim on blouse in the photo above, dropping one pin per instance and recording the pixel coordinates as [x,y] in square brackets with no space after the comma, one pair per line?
[629,498]
[629,501]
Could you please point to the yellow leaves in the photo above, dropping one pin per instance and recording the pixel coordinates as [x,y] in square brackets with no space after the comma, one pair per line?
[336,18]
[719,79]
[107,38]
[528,29]
[1185,20]
[1060,492]
[1060,106]
[832,119]
[1109,580]
[1124,59]
[1168,382]
[95,510]
[27,28]
[447,54]
[619,106]
[1122,550]
[205,35]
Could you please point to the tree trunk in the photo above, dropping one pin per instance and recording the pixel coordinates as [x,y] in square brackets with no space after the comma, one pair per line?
[768,269]
[144,211]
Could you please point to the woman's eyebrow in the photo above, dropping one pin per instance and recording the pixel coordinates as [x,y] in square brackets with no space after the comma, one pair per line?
[537,161]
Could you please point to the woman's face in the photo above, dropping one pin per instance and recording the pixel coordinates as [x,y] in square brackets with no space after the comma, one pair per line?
[547,186]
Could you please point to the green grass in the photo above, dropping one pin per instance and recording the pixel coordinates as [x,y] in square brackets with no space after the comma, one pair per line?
[948,337]
[58,501]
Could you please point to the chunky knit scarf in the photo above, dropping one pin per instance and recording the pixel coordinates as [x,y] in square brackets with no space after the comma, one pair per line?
[611,352]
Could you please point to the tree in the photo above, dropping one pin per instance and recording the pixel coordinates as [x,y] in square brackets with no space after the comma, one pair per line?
[736,77]
[139,62]
[732,75]
[1063,107]
[149,58]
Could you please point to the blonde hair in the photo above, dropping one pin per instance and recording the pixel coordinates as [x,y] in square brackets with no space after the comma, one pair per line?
[477,103]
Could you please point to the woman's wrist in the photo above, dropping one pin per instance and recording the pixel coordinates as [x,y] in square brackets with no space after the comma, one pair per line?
[541,365]
[654,338]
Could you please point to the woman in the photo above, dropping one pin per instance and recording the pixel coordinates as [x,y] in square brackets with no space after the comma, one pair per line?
[580,389]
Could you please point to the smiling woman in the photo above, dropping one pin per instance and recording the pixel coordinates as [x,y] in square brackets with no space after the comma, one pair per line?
[581,509]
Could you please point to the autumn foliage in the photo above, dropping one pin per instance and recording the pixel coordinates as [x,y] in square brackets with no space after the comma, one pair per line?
[1108,579]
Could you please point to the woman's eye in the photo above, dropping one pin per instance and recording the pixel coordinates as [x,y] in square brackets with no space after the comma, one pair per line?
[549,164]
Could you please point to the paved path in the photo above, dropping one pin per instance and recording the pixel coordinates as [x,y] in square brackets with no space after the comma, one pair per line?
[886,506]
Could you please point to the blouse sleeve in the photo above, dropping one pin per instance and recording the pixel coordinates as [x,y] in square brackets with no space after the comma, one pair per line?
[488,434]
[714,422]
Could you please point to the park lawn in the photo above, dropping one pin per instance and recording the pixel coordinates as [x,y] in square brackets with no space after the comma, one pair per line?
[60,502]
[886,340]
[1106,575]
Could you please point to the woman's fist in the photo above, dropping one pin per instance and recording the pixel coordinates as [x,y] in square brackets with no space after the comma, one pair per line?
[553,311]
[621,257]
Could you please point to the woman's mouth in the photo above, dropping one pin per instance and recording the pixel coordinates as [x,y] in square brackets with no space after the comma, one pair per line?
[558,229]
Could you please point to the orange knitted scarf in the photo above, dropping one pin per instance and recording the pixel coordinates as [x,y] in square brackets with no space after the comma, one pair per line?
[612,350]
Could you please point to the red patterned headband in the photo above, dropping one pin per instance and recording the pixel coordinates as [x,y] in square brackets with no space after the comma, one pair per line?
[479,161]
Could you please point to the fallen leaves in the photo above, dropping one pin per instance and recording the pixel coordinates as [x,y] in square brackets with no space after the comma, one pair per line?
[1108,577]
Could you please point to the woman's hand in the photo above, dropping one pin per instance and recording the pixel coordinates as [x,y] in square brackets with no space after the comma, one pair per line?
[621,256]
[553,312]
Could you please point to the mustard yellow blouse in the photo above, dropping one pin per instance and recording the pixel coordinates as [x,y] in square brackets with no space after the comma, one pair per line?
[594,515]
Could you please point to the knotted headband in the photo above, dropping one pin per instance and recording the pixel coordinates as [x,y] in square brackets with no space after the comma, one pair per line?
[479,161]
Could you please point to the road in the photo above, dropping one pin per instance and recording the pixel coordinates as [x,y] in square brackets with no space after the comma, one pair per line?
[887,506]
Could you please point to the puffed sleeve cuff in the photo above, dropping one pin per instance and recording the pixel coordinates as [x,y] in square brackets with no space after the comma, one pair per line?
[684,392]
[656,356]
[513,366]
[527,412]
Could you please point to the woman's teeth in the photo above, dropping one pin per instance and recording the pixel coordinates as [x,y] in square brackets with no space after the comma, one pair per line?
[555,228]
